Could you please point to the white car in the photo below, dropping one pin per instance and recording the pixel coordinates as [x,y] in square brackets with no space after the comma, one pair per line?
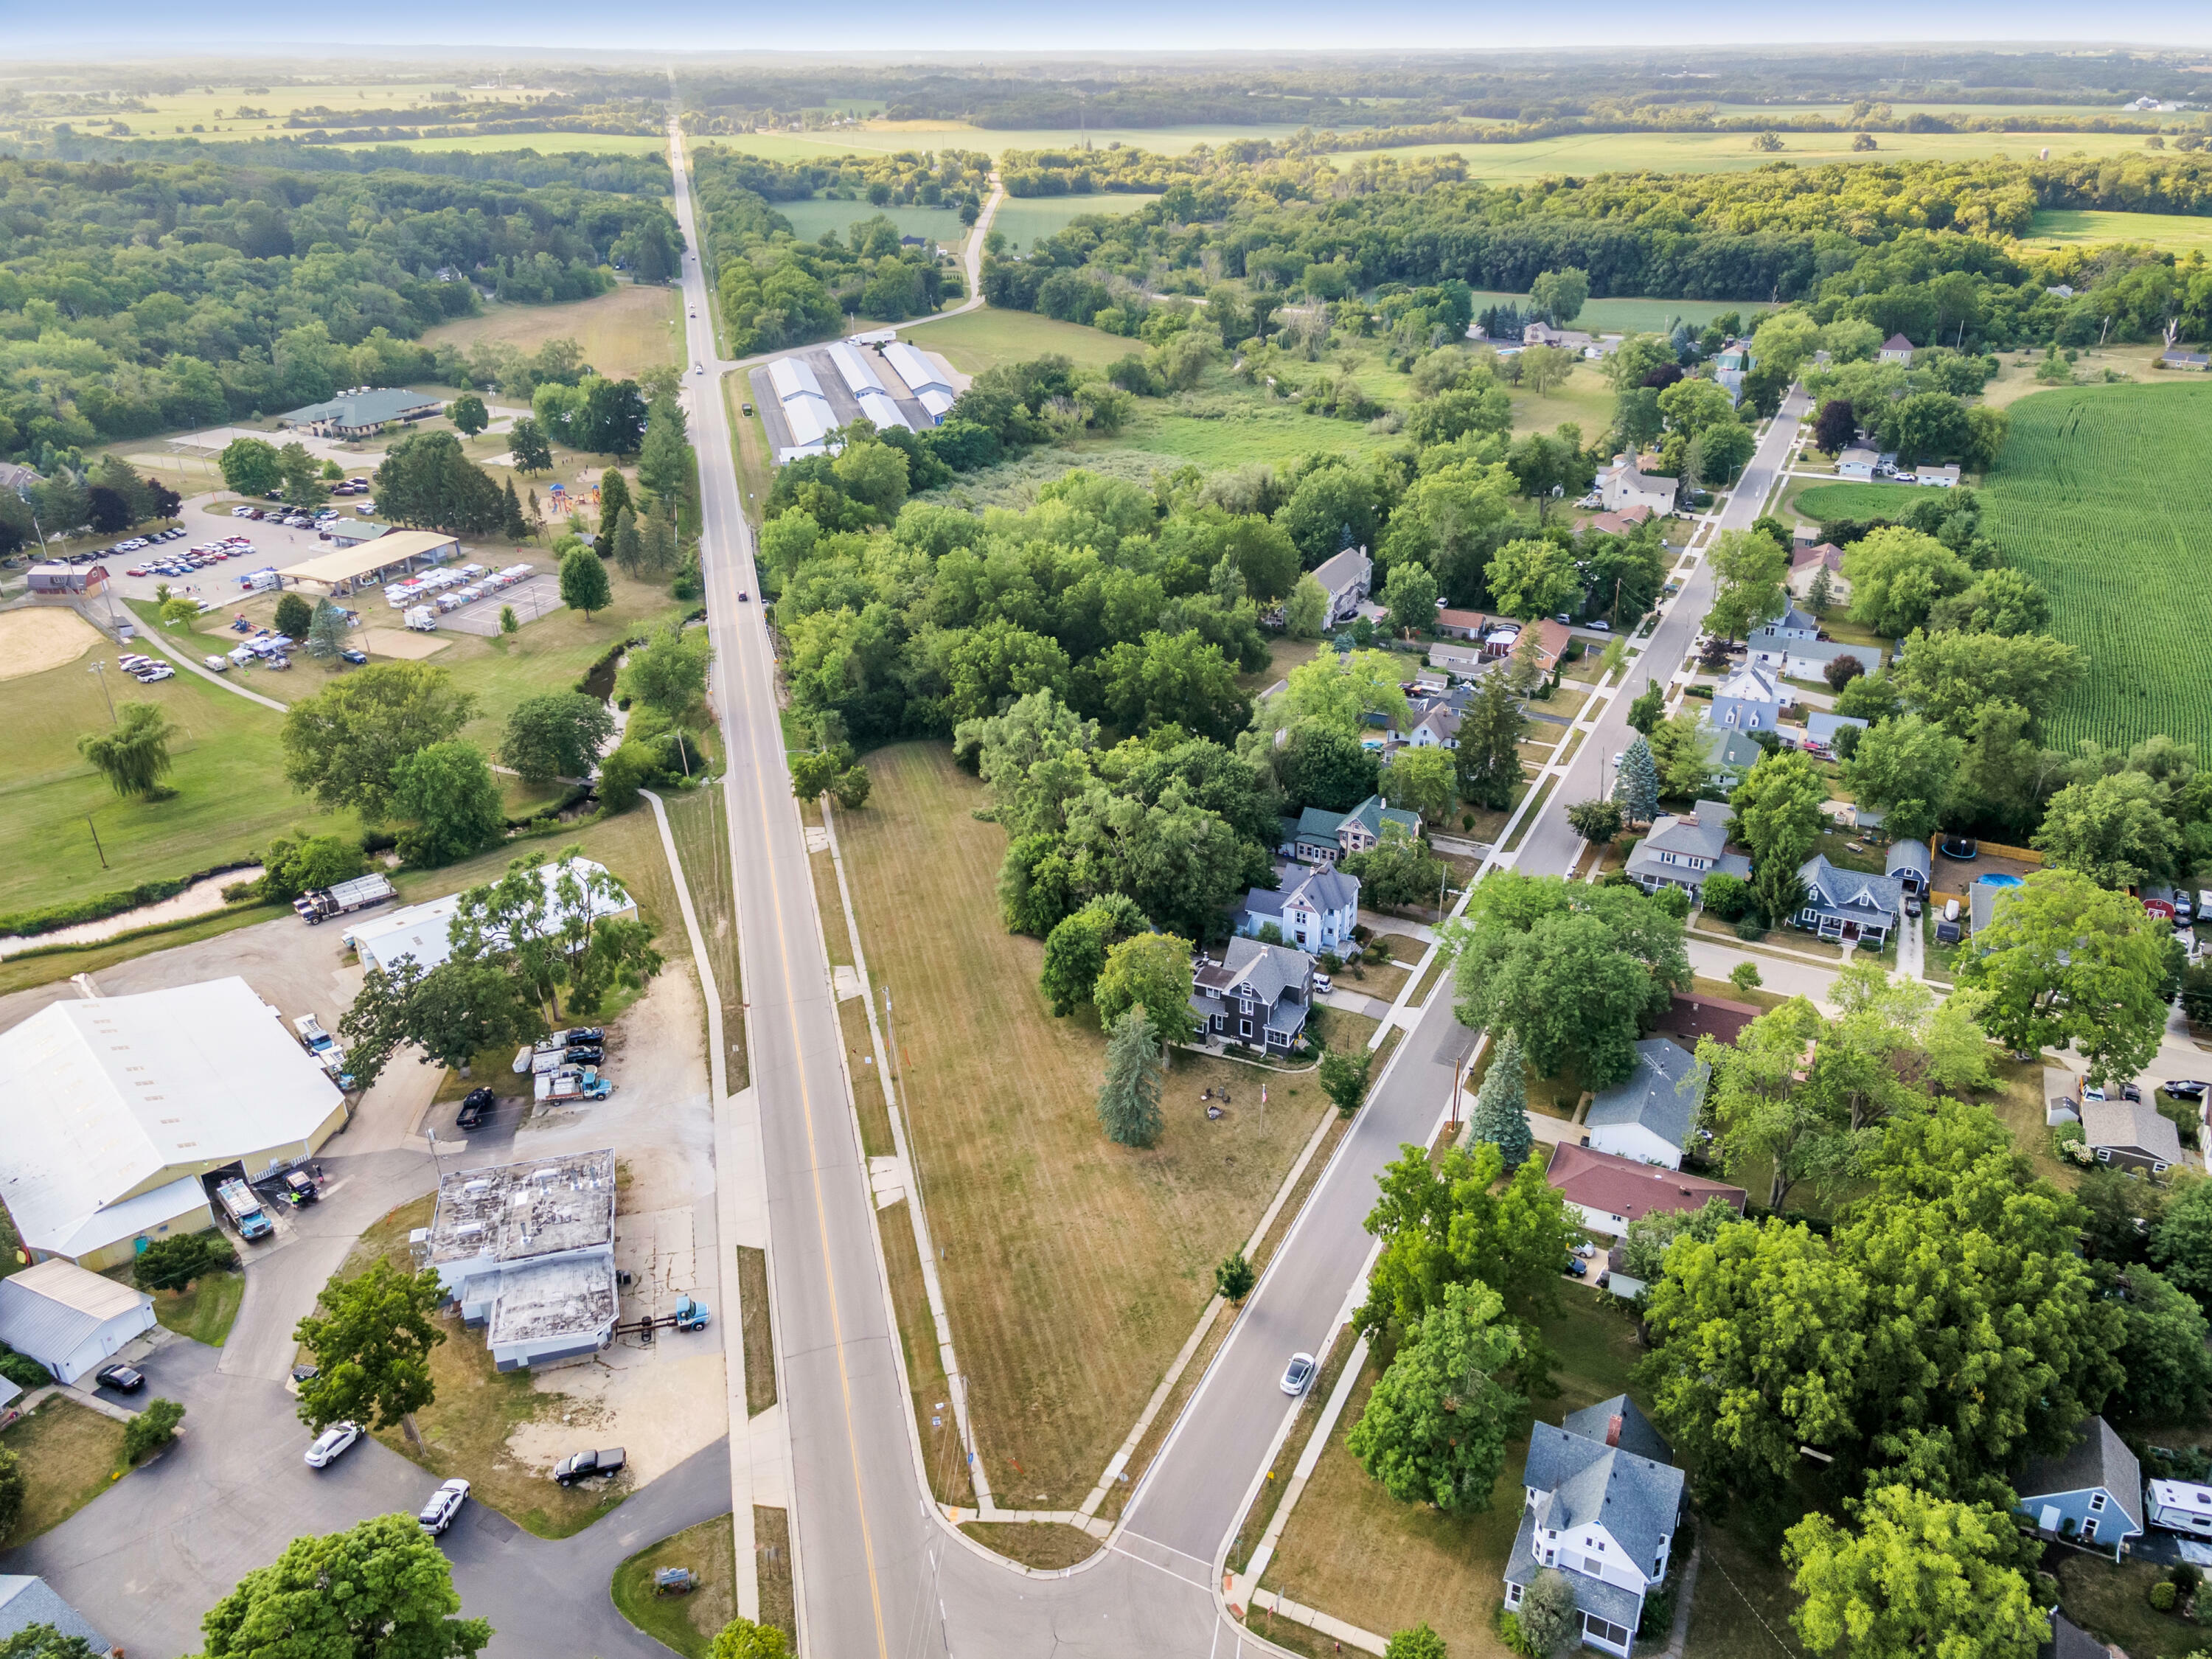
[159,670]
[445,1503]
[1298,1374]
[330,1442]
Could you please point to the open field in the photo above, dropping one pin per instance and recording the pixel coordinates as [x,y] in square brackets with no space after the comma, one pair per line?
[1354,1550]
[887,137]
[544,143]
[809,219]
[1586,153]
[986,336]
[631,329]
[686,1623]
[215,107]
[1073,1268]
[1024,219]
[2173,232]
[1849,499]
[68,1452]
[228,776]
[2101,496]
[1632,315]
[1584,397]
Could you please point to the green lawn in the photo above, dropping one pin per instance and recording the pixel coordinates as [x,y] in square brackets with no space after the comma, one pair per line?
[885,138]
[1026,219]
[1584,397]
[686,1623]
[544,143]
[2171,233]
[1850,500]
[987,337]
[809,219]
[228,775]
[621,332]
[206,1311]
[2102,495]
[69,1453]
[1632,315]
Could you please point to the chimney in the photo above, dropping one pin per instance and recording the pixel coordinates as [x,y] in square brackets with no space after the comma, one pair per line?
[1613,1429]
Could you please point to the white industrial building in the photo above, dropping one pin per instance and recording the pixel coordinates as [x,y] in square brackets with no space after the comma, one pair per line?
[424,931]
[859,378]
[69,1320]
[527,1251]
[806,411]
[932,387]
[117,1106]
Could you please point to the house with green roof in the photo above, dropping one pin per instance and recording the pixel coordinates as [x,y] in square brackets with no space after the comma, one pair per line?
[1321,836]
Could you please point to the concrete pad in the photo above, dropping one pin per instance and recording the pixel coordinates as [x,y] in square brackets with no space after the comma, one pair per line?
[846,981]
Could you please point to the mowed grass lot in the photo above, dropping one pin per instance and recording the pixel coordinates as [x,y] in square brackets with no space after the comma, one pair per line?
[1852,499]
[986,336]
[1354,1550]
[1074,1269]
[809,219]
[632,328]
[227,773]
[2102,495]
[1634,315]
[2173,232]
[68,1452]
[687,1623]
[1025,220]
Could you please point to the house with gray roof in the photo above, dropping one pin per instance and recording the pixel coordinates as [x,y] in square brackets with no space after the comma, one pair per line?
[363,412]
[1847,906]
[1257,995]
[1314,909]
[1751,699]
[2132,1134]
[1684,848]
[1796,657]
[1821,726]
[2092,1492]
[1346,578]
[25,1601]
[1908,865]
[1732,757]
[1602,1503]
[1648,1115]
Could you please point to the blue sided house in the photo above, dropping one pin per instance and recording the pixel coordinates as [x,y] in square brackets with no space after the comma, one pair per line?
[2092,1492]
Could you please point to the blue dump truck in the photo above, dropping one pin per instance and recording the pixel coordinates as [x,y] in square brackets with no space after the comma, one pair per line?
[245,1209]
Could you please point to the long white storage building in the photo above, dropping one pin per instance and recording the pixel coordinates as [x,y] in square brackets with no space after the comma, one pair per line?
[807,410]
[928,383]
[859,378]
[424,931]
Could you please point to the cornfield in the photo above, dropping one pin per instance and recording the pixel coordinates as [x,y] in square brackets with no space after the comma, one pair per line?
[2104,496]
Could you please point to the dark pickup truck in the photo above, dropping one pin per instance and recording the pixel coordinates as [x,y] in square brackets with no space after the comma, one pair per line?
[586,1465]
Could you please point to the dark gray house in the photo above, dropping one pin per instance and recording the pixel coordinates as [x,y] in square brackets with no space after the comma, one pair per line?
[1603,1502]
[1256,994]
[25,1601]
[1848,905]
[2133,1134]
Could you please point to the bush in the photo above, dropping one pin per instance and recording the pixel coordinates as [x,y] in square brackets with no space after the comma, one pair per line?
[172,1264]
[1751,928]
[1727,896]
[151,1430]
[2163,1595]
[22,1369]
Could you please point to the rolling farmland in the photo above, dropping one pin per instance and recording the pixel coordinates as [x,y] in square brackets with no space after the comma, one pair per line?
[2102,495]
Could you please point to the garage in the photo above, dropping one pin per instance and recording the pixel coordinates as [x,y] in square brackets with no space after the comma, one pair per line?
[70,1320]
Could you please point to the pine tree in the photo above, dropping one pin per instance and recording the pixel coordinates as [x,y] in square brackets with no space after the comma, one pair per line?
[327,631]
[1822,593]
[629,546]
[657,545]
[536,514]
[1129,1097]
[1636,785]
[517,528]
[1488,759]
[1501,1106]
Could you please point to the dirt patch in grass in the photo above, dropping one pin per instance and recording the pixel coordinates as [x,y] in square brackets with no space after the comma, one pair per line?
[687,1623]
[1046,1545]
[760,1347]
[933,1419]
[1351,1550]
[1074,1269]
[465,1430]
[67,1453]
[772,1560]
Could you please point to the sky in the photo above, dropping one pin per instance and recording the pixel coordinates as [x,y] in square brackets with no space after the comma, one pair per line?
[142,27]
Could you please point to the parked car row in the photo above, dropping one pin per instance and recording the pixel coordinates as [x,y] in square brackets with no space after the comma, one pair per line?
[202,557]
[147,670]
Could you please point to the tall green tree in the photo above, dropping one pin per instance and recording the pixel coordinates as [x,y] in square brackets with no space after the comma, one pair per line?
[1411,595]
[2065,962]
[133,755]
[326,632]
[426,479]
[629,546]
[383,1587]
[584,584]
[1501,1105]
[1461,1218]
[1649,708]
[1306,609]
[1344,1077]
[668,673]
[302,476]
[1129,1094]
[1904,769]
[1420,779]
[1919,1575]
[1075,951]
[468,414]
[1435,1428]
[344,744]
[249,466]
[371,1338]
[1150,971]
[1534,578]
[1488,759]
[455,1012]
[448,792]
[1749,566]
[1778,807]
[526,443]
[2116,830]
[1636,782]
[555,734]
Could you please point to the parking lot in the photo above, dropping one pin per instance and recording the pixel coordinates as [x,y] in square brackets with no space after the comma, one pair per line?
[533,597]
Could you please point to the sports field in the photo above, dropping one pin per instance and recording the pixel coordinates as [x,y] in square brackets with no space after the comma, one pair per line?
[2102,495]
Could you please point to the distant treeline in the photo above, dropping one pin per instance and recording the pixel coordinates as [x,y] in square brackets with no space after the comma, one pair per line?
[622,175]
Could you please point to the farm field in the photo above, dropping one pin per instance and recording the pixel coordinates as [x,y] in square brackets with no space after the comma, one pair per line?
[2171,233]
[1852,499]
[1024,219]
[1073,1268]
[621,332]
[809,219]
[1586,153]
[198,106]
[986,336]
[887,137]
[2100,494]
[544,143]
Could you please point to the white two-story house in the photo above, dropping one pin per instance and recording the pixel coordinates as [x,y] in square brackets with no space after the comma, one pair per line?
[1314,910]
[1603,1500]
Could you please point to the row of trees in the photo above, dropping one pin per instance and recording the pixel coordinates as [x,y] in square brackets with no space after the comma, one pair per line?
[107,497]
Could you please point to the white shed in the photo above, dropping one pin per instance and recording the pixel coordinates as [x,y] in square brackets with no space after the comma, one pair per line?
[69,1320]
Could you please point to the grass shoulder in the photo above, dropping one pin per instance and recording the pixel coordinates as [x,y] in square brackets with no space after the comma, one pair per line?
[1048,1546]
[70,1454]
[688,1622]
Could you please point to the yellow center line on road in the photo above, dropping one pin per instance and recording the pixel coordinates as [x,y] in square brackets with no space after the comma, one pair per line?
[806,1095]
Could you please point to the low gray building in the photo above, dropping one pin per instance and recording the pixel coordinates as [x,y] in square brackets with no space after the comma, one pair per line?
[1907,865]
[1648,1115]
[363,412]
[26,1601]
[2132,1135]
[527,1252]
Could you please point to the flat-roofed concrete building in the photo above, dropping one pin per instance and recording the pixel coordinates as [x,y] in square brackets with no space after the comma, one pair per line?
[527,1252]
[118,1106]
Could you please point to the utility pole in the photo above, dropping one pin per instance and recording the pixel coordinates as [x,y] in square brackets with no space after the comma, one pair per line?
[96,847]
[100,668]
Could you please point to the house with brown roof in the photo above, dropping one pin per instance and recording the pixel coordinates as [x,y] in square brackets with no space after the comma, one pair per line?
[1461,624]
[1612,1191]
[1619,523]
[1804,562]
[1897,349]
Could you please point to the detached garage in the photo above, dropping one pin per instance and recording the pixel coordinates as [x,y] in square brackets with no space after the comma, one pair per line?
[69,1320]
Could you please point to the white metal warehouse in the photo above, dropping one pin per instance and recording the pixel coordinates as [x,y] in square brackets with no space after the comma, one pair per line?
[932,387]
[805,408]
[877,404]
[117,1106]
[424,931]
[69,1320]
